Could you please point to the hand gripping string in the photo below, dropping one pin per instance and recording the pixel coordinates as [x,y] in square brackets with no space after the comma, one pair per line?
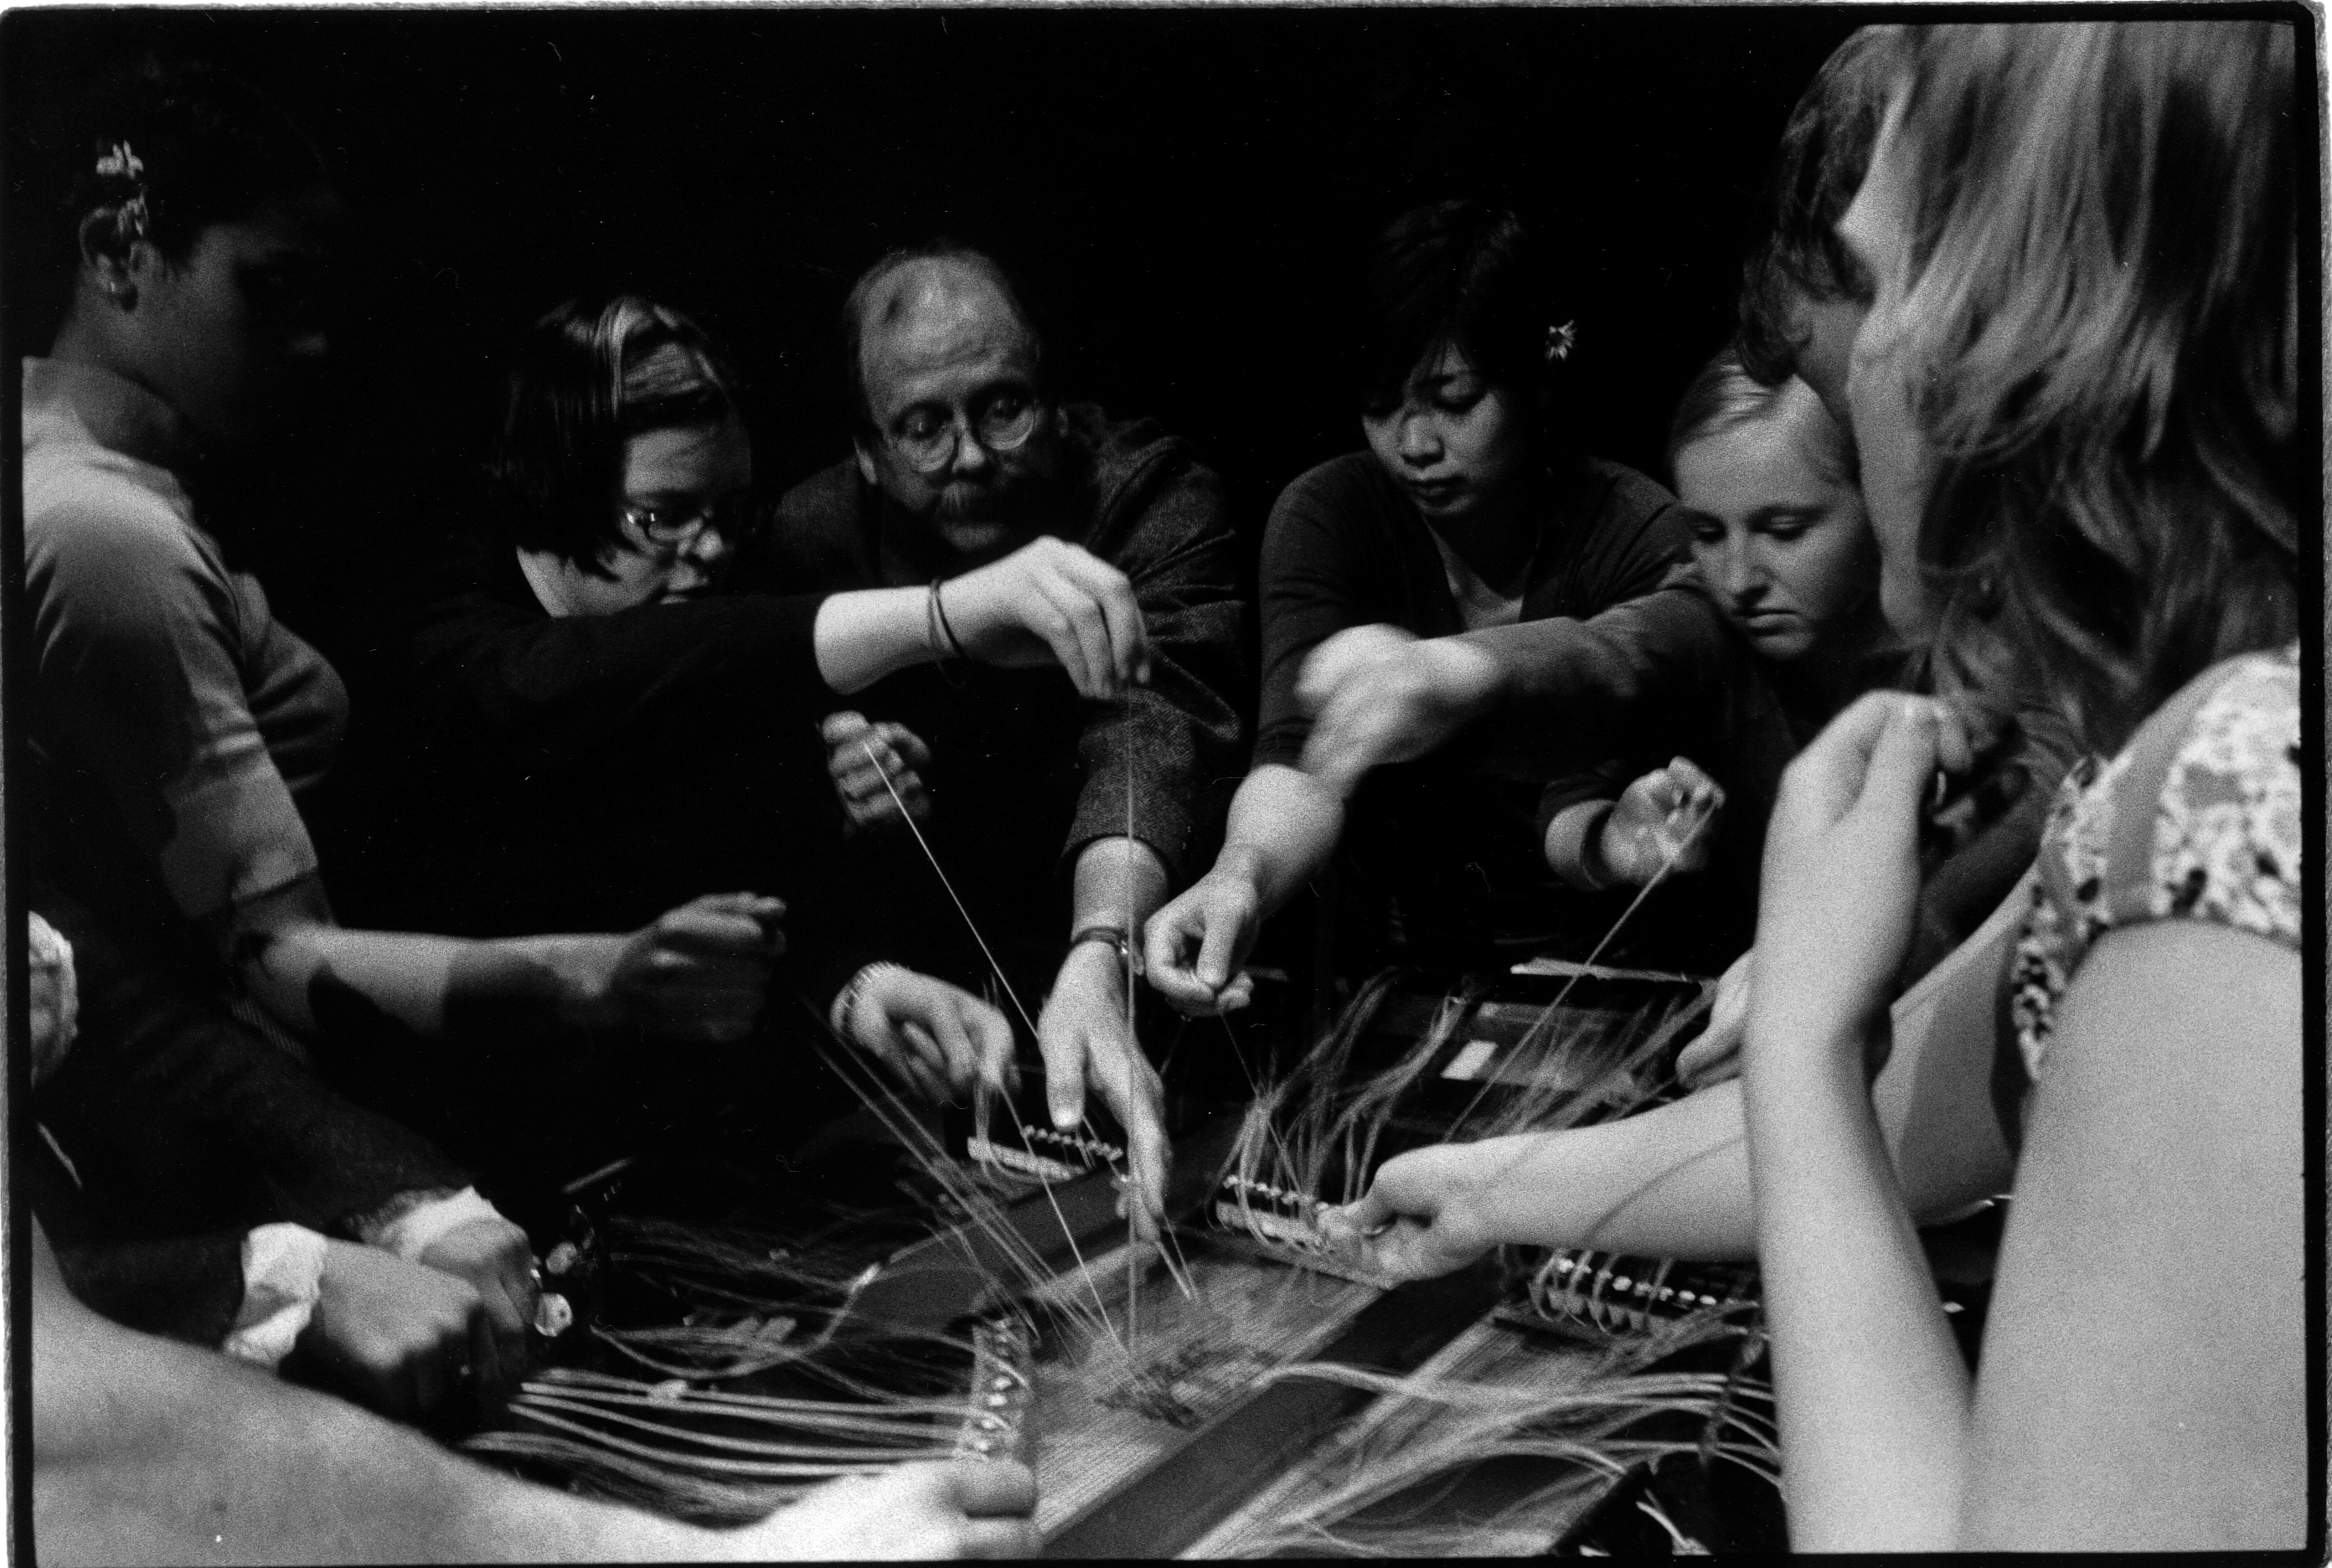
[986,951]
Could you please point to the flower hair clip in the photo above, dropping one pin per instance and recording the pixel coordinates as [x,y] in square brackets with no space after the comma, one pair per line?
[1559,340]
[120,162]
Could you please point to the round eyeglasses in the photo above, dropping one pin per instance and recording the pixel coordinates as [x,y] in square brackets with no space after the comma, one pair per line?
[677,524]
[929,437]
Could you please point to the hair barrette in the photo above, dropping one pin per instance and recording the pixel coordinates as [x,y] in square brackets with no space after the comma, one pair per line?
[1559,340]
[120,162]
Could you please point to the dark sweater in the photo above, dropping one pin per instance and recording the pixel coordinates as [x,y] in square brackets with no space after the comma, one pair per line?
[1742,729]
[1444,849]
[1025,774]
[589,773]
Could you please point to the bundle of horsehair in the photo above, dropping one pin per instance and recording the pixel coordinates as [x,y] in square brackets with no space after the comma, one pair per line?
[1582,1421]
[743,1477]
[1341,1125]
[1310,1141]
[718,1456]
[672,1442]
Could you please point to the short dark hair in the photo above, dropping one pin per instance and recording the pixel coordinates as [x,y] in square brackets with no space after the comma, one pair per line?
[189,145]
[1824,154]
[862,302]
[593,373]
[1463,273]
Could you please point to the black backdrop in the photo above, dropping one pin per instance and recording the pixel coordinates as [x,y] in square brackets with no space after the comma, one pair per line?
[1182,193]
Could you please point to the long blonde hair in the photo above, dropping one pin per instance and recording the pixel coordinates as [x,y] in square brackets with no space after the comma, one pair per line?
[2103,330]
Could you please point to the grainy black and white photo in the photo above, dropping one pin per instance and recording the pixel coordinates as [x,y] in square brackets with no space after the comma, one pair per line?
[1224,782]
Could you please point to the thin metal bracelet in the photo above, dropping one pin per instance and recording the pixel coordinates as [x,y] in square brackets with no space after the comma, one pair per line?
[939,608]
[934,625]
[1118,937]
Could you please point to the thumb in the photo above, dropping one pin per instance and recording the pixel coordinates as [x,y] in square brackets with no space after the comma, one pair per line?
[1371,1213]
[1218,951]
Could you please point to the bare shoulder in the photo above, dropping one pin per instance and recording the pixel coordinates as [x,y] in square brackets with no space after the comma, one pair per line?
[2140,1386]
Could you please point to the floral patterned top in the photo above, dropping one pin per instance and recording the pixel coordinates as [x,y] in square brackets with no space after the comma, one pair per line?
[2198,818]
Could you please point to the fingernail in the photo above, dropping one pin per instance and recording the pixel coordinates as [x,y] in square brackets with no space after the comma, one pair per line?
[1064,1118]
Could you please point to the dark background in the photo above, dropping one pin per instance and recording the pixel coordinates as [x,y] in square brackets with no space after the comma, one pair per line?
[1182,194]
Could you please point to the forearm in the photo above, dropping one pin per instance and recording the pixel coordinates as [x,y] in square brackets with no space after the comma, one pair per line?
[1589,683]
[1670,1182]
[235,1466]
[145,1451]
[1118,881]
[415,978]
[864,636]
[1871,1392]
[1282,828]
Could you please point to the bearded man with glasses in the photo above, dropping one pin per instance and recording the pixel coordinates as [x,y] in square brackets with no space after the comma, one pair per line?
[1059,809]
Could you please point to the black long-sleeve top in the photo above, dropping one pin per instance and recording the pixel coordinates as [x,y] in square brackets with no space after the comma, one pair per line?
[587,772]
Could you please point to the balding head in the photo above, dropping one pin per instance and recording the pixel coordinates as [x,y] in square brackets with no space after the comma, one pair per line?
[954,426]
[927,302]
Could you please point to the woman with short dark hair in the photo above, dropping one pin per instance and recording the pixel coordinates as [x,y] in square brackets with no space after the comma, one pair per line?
[1469,511]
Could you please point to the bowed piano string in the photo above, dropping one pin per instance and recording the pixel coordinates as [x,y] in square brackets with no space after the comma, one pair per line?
[1076,1253]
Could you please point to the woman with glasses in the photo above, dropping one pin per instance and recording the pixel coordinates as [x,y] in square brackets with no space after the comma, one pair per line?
[1468,511]
[601,718]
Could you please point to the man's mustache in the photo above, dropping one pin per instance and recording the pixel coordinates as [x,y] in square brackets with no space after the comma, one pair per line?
[979,501]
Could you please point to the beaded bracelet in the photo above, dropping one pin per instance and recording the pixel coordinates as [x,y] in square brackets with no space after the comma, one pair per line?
[838,1017]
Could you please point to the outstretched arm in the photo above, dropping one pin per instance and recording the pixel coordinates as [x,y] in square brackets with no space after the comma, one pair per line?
[1284,825]
[1087,1028]
[148,1452]
[1674,1181]
[699,970]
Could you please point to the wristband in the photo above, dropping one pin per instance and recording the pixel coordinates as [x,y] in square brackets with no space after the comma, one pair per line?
[1591,863]
[417,1229]
[1118,937]
[283,1279]
[846,1001]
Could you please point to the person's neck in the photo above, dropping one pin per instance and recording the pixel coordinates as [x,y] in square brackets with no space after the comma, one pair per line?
[1497,539]
[84,340]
